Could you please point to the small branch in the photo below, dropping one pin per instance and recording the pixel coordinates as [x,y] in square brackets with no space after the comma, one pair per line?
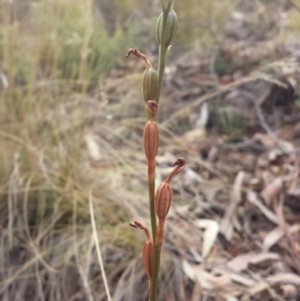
[262,120]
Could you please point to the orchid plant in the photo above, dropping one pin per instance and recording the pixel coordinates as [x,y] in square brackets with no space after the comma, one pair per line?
[159,202]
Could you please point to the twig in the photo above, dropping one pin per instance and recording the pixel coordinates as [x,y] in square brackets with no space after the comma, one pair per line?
[218,92]
[97,247]
[278,208]
[262,119]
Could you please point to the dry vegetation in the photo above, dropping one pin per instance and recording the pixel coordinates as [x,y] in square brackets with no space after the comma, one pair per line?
[71,122]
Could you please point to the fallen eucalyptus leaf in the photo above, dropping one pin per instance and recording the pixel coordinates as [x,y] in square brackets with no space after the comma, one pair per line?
[210,234]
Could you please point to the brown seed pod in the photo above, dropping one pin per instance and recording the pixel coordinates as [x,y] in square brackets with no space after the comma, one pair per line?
[147,251]
[147,258]
[151,138]
[164,191]
[163,200]
[151,133]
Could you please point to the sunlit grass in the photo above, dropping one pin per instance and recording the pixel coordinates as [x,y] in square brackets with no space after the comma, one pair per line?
[49,63]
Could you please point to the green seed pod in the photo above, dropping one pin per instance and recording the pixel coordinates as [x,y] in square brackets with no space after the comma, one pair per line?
[170,29]
[150,83]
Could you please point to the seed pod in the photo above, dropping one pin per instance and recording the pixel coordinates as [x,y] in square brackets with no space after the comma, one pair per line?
[170,29]
[150,83]
[151,138]
[147,251]
[147,258]
[151,133]
[164,191]
[163,200]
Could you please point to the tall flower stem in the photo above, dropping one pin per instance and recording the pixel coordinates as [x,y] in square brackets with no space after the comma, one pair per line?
[161,60]
[152,83]
[151,188]
[161,68]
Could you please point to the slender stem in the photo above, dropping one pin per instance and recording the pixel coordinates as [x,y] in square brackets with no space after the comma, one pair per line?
[162,5]
[161,69]
[161,66]
[151,181]
[162,57]
[156,253]
[155,272]
[151,187]
[156,248]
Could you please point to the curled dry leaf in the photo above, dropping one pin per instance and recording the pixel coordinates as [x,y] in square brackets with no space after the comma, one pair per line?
[278,208]
[252,198]
[188,270]
[267,141]
[281,278]
[226,226]
[230,298]
[264,139]
[207,280]
[242,261]
[272,190]
[237,277]
[275,235]
[210,234]
[289,291]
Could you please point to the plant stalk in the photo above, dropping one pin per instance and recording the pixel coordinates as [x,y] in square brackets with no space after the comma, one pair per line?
[155,272]
[156,248]
[161,63]
[151,187]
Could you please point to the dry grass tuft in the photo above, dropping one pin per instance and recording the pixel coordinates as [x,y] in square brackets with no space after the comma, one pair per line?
[57,145]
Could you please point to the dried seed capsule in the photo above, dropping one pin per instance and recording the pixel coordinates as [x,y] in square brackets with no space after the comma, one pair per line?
[164,191]
[151,138]
[151,133]
[163,200]
[170,29]
[147,260]
[147,251]
[150,84]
